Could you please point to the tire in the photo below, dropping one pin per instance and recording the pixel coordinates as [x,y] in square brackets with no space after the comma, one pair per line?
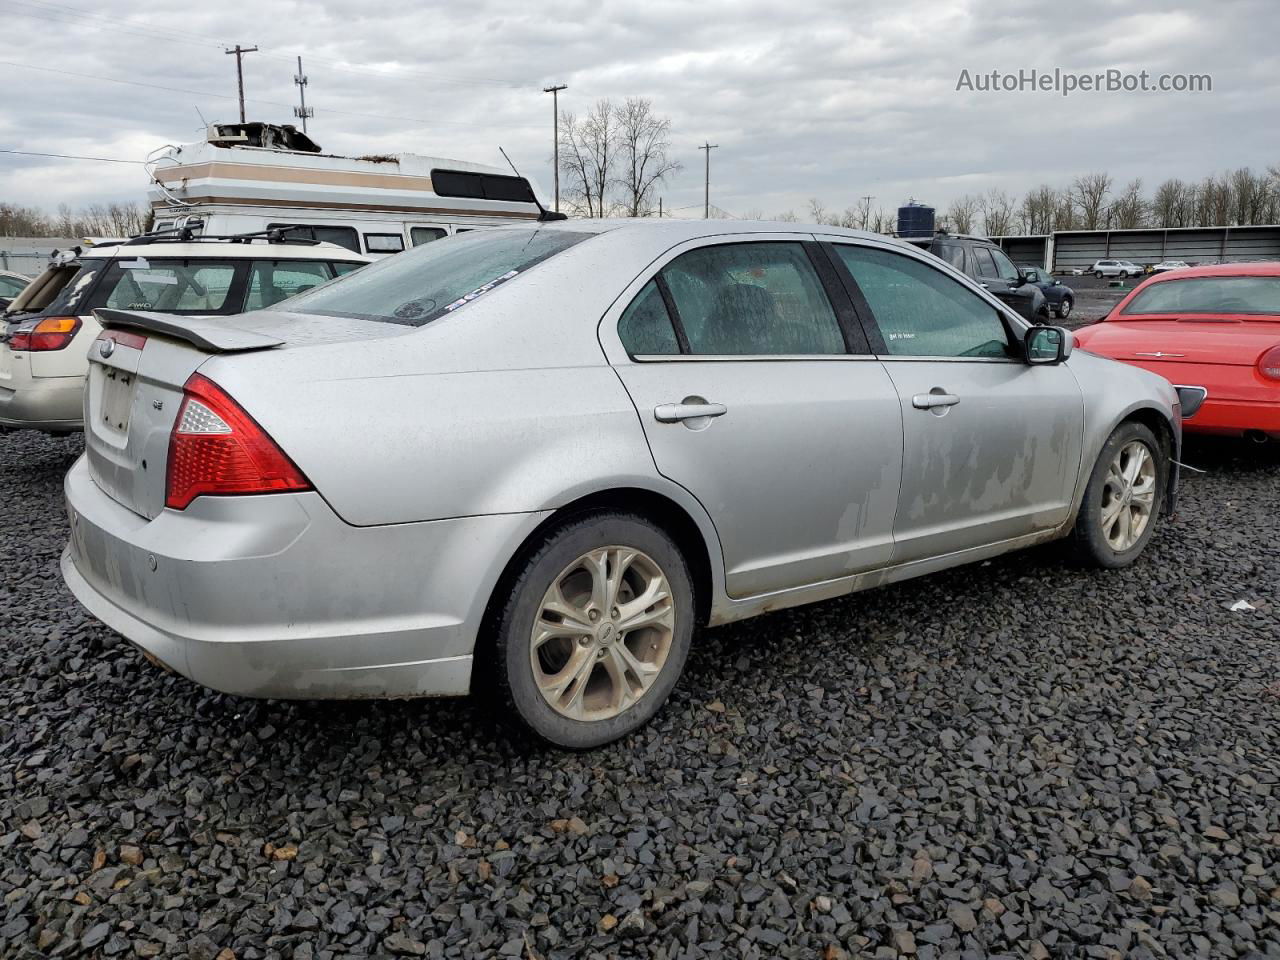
[594,707]
[1097,274]
[1099,542]
[1064,308]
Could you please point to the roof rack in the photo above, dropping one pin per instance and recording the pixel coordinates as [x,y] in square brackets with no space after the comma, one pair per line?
[187,234]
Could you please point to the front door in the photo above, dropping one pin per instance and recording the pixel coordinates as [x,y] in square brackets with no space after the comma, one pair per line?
[992,445]
[756,396]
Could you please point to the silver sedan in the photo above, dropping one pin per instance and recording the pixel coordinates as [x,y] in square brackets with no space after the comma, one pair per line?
[534,458]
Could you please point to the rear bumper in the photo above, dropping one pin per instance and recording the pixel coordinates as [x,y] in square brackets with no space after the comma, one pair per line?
[274,596]
[1227,417]
[43,403]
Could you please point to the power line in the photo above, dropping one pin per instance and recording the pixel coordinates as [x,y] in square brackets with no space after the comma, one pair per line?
[223,96]
[110,23]
[66,156]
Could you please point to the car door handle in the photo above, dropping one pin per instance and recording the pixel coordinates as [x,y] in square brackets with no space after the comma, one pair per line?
[927,401]
[676,412]
[985,286]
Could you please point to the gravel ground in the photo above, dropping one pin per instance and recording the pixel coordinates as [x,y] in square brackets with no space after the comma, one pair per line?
[1018,759]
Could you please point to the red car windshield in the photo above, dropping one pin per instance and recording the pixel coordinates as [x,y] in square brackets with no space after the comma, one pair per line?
[1252,296]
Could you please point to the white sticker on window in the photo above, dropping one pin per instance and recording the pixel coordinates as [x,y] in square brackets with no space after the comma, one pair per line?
[139,264]
[151,276]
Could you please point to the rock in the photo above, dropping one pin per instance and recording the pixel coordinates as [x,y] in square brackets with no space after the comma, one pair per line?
[904,942]
[130,855]
[962,917]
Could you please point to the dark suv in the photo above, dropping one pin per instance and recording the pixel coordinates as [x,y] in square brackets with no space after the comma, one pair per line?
[990,266]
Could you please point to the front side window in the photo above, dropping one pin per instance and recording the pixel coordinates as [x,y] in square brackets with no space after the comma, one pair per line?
[922,312]
[645,327]
[167,286]
[271,281]
[986,264]
[1229,295]
[752,299]
[436,279]
[1005,269]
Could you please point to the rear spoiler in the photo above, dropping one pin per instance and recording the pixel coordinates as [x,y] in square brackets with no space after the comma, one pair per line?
[215,336]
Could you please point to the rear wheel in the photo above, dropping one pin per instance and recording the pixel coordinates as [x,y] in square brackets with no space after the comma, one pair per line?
[595,630]
[1123,499]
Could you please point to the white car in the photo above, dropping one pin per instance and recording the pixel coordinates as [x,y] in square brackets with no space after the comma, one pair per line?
[1115,268]
[46,331]
[1164,266]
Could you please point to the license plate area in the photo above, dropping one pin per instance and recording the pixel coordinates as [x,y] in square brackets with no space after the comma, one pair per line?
[115,400]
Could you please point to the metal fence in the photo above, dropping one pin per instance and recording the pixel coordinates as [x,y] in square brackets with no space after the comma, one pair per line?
[30,255]
[1066,250]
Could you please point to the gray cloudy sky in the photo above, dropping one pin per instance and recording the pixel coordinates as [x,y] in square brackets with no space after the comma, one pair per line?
[806,99]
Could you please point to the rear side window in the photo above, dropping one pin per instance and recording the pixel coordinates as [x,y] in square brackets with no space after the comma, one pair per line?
[752,299]
[985,263]
[186,286]
[645,327]
[11,286]
[436,279]
[383,242]
[342,236]
[922,312]
[421,235]
[271,281]
[952,253]
[1241,295]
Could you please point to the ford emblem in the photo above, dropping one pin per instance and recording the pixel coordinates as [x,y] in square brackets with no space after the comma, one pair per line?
[106,348]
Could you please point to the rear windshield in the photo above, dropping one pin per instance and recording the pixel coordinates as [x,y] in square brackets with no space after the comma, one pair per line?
[427,282]
[1192,295]
[57,290]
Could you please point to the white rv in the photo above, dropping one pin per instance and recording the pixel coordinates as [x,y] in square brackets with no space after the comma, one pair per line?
[248,177]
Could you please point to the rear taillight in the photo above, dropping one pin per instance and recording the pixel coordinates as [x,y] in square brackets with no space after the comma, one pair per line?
[125,338]
[51,333]
[1269,363]
[216,448]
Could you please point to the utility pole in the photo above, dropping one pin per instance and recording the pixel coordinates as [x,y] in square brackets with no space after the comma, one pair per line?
[303,111]
[554,90]
[240,51]
[706,195]
[659,208]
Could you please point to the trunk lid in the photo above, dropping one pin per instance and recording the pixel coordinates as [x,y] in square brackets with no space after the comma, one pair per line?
[1223,342]
[138,367]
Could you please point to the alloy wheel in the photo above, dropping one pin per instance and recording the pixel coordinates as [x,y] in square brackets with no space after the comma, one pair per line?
[603,632]
[1128,496]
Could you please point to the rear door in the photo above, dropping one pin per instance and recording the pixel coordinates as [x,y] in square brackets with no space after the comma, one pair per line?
[991,445]
[997,273]
[757,393]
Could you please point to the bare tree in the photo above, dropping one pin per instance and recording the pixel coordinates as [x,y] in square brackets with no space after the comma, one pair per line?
[643,141]
[1038,211]
[997,212]
[961,215]
[588,156]
[1089,196]
[786,217]
[882,221]
[1129,210]
[818,212]
[1168,205]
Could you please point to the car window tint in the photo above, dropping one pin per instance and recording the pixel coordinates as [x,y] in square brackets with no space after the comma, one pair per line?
[1005,269]
[752,298]
[421,235]
[986,265]
[920,310]
[645,327]
[271,281]
[169,287]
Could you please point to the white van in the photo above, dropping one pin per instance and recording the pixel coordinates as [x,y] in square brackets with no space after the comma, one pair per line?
[247,177]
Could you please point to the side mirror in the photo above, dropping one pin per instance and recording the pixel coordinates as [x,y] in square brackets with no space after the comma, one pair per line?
[1048,345]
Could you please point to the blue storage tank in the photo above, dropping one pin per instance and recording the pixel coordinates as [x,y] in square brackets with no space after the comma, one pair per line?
[915,220]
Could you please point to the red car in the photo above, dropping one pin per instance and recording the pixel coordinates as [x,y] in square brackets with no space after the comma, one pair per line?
[1214,333]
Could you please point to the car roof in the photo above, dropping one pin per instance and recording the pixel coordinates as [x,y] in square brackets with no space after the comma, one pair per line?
[224,250]
[678,230]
